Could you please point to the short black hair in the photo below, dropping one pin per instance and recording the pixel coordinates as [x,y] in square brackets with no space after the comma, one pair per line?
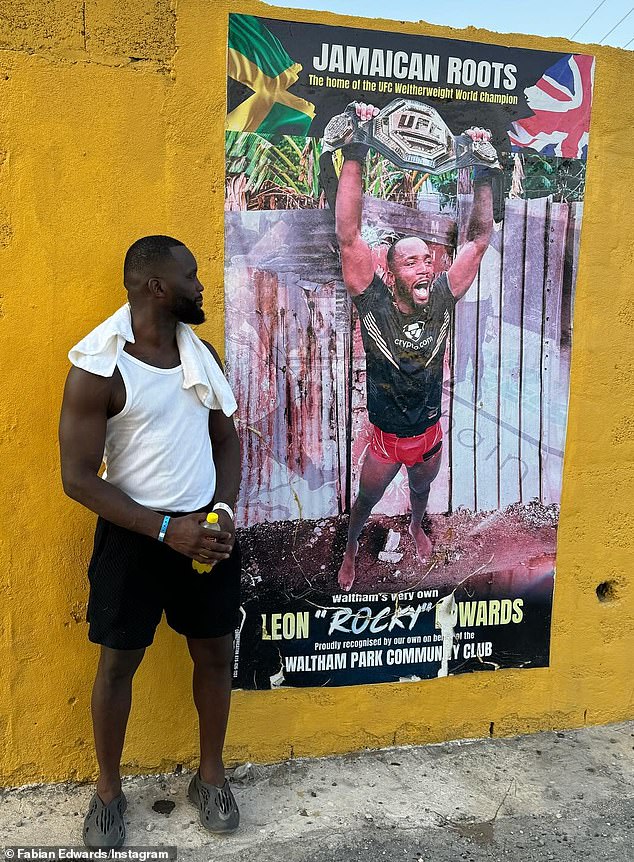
[392,249]
[145,251]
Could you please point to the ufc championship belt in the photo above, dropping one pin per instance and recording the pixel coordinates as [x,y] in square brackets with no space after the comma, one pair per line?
[414,137]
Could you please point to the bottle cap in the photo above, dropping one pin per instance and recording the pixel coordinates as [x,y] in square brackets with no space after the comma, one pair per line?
[212,518]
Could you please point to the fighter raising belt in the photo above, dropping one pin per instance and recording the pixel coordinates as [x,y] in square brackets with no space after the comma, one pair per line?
[405,319]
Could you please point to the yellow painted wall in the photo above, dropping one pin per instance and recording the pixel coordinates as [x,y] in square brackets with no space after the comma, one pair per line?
[111,127]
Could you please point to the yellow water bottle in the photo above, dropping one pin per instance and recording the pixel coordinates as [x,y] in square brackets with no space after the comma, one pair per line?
[210,524]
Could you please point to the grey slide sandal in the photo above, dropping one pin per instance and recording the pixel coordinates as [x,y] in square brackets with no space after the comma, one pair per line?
[103,825]
[217,805]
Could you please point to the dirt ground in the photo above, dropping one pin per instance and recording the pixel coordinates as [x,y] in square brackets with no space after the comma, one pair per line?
[292,557]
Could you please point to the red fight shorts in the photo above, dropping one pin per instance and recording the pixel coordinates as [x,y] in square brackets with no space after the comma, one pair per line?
[391,449]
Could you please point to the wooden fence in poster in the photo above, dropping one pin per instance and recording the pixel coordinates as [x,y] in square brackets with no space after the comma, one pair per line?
[295,360]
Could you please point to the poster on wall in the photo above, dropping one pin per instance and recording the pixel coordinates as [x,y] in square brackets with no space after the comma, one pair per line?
[402,224]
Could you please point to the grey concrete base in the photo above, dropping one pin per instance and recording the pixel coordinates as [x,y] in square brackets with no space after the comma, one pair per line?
[549,796]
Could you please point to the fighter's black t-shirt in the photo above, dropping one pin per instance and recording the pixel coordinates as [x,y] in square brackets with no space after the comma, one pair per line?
[404,357]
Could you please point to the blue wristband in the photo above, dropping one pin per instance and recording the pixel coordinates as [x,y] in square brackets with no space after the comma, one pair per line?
[163,530]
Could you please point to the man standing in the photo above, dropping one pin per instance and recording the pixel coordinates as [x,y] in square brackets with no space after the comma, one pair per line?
[405,322]
[148,397]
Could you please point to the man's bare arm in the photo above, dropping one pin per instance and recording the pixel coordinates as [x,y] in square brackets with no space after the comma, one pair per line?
[356,257]
[226,451]
[464,269]
[82,434]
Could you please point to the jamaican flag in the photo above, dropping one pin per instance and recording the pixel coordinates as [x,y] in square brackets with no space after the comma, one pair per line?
[257,60]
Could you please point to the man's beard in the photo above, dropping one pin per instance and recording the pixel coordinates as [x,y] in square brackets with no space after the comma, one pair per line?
[403,294]
[188,311]
[407,298]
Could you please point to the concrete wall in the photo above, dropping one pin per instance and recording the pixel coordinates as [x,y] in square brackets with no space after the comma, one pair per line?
[112,127]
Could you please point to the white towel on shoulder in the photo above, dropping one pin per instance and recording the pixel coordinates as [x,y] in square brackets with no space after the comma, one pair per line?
[99,352]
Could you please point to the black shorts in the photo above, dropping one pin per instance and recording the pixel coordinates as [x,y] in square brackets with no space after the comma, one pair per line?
[134,578]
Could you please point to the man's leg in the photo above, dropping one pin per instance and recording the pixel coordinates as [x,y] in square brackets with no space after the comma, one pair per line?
[420,477]
[375,477]
[213,659]
[110,705]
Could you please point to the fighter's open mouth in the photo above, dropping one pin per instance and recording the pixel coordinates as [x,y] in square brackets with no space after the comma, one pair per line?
[420,291]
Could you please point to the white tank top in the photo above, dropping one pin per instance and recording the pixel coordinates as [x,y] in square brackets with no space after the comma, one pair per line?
[158,449]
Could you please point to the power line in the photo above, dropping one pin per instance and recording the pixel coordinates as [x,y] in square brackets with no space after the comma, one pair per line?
[629,43]
[617,24]
[594,11]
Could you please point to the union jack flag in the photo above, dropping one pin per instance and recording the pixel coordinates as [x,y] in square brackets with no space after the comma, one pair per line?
[561,102]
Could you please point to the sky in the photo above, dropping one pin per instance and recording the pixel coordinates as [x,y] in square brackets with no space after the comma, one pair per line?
[538,17]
